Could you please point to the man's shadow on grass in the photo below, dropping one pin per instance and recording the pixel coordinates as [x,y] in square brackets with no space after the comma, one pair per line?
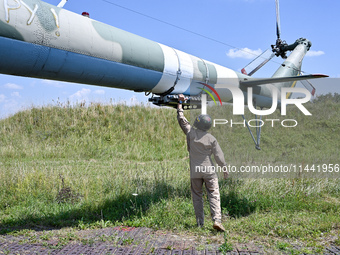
[125,207]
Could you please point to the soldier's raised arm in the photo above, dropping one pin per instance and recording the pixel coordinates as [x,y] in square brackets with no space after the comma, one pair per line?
[182,121]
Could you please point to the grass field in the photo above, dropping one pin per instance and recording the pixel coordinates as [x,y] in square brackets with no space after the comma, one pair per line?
[107,165]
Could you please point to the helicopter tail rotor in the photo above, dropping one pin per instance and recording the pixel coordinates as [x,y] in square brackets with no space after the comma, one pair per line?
[279,49]
[258,62]
[309,86]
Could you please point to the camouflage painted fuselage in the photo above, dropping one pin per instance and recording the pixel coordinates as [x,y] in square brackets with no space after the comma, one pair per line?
[43,41]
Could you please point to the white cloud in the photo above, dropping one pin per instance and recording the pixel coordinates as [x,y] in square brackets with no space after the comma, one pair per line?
[80,94]
[12,86]
[48,81]
[16,94]
[99,92]
[313,53]
[243,53]
[10,107]
[56,84]
[2,98]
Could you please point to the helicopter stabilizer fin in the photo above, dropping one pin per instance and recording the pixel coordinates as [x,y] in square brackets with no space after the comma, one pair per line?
[250,82]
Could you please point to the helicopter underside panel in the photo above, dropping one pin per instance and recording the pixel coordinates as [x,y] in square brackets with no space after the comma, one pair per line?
[31,60]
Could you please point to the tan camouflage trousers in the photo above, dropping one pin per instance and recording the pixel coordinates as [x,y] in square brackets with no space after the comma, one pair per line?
[213,191]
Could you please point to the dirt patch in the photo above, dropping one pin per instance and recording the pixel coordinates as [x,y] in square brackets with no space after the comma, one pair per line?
[123,240]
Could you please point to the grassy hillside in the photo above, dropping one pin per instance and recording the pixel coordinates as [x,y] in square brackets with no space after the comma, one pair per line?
[105,165]
[105,132]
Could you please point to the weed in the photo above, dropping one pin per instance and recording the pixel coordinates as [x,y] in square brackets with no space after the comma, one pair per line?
[226,246]
[283,246]
[146,244]
[127,241]
[6,251]
[103,224]
[319,250]
[89,241]
[306,251]
[82,225]
[337,241]
[294,252]
[200,247]
[46,236]
[66,194]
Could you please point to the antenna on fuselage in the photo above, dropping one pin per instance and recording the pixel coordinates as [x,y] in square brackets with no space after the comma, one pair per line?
[62,3]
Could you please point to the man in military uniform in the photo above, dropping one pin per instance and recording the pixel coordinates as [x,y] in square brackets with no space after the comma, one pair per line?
[201,145]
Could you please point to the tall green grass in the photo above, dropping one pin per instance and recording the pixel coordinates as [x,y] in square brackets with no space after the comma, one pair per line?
[105,165]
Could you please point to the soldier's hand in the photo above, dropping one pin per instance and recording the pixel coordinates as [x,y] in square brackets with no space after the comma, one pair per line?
[181,97]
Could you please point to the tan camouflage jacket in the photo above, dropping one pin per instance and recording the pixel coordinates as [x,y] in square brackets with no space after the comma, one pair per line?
[201,145]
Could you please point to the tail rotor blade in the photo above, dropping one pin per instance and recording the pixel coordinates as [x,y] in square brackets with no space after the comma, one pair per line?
[309,86]
[258,62]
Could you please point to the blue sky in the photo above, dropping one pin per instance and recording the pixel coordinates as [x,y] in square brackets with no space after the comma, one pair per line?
[244,24]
